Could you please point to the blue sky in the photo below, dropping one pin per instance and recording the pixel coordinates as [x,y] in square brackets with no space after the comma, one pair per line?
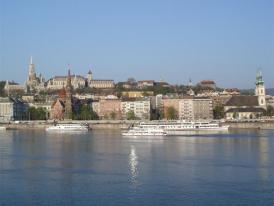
[174,40]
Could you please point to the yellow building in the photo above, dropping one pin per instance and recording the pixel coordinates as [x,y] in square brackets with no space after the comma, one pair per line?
[137,94]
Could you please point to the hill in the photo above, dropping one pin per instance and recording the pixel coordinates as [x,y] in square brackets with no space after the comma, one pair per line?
[270,91]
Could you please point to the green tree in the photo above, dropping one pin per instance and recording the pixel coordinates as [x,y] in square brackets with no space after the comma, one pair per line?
[235,115]
[131,115]
[85,113]
[113,115]
[37,113]
[218,112]
[269,111]
[171,113]
[2,91]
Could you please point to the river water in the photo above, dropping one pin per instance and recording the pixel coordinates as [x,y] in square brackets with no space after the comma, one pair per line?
[103,168]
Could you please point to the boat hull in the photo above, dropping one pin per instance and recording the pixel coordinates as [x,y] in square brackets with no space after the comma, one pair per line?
[67,128]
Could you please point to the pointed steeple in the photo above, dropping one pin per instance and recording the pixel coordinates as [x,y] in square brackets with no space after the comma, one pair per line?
[31,60]
[69,79]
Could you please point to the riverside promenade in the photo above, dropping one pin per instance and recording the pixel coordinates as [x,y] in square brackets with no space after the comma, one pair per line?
[124,124]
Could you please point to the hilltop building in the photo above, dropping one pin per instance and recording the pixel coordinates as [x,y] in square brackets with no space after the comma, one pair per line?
[78,81]
[208,84]
[58,82]
[13,87]
[34,82]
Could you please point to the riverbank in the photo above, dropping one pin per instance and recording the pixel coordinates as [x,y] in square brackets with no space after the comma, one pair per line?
[123,124]
[93,124]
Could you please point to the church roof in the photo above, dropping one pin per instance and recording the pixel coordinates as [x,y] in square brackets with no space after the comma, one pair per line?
[57,100]
[241,100]
[62,93]
[64,78]
[246,109]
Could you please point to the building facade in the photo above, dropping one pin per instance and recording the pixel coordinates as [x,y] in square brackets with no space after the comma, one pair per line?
[58,82]
[195,108]
[101,84]
[108,108]
[12,109]
[140,107]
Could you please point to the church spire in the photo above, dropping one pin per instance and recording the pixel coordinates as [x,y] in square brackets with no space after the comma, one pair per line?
[69,79]
[31,60]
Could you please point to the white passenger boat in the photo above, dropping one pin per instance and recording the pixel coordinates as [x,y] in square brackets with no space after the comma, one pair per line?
[138,131]
[67,127]
[179,127]
[2,128]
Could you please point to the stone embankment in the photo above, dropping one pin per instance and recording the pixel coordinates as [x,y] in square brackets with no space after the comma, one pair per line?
[123,124]
[250,125]
[93,124]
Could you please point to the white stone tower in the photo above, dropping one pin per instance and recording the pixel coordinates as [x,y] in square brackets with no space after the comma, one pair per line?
[31,75]
[260,89]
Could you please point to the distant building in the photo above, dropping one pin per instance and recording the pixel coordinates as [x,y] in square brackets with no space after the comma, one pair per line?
[11,87]
[136,94]
[145,83]
[101,84]
[58,82]
[208,84]
[270,101]
[12,109]
[140,107]
[231,91]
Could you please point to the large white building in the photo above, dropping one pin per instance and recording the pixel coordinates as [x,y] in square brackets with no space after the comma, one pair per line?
[101,84]
[12,109]
[59,82]
[140,107]
[78,81]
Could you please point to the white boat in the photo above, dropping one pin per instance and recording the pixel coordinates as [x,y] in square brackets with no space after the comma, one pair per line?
[138,131]
[179,127]
[2,128]
[67,127]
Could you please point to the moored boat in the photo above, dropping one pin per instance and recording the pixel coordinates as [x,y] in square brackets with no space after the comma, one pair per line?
[2,128]
[138,131]
[67,127]
[179,127]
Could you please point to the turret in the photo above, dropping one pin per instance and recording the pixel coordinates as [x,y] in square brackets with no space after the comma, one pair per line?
[260,89]
[89,76]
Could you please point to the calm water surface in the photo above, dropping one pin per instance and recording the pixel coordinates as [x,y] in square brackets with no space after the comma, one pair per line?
[103,168]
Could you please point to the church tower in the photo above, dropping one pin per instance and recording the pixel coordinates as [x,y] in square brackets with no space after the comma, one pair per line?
[68,103]
[31,75]
[89,76]
[260,89]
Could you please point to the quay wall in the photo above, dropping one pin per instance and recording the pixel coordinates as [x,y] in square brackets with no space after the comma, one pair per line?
[94,124]
[124,124]
[250,125]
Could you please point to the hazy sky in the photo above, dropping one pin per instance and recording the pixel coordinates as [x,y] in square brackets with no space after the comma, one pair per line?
[174,40]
